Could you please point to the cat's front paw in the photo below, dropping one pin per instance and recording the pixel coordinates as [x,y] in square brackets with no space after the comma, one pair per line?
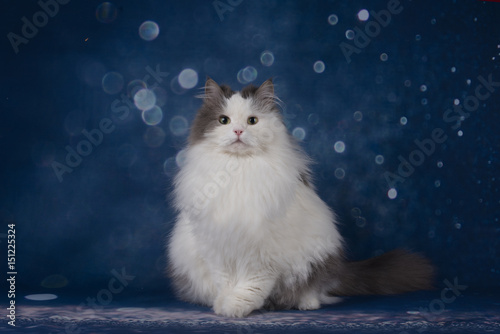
[233,306]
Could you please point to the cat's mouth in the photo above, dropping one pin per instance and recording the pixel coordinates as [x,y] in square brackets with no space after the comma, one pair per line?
[238,146]
[238,142]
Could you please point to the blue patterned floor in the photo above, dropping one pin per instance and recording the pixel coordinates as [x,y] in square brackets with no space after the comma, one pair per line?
[472,313]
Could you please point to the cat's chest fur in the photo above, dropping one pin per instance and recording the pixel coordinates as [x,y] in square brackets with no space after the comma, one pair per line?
[225,191]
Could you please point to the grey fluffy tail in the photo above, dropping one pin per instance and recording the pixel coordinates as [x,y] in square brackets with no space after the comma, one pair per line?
[394,272]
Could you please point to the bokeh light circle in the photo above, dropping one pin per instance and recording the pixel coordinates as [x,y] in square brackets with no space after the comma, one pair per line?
[299,133]
[152,116]
[247,75]
[267,58]
[333,19]
[339,147]
[392,193]
[106,12]
[112,82]
[178,125]
[319,67]
[339,173]
[363,15]
[144,99]
[188,78]
[149,30]
[170,167]
[358,116]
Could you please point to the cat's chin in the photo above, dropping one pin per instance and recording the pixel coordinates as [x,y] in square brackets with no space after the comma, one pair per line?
[239,148]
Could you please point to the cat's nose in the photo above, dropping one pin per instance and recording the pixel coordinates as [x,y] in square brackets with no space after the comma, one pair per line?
[238,132]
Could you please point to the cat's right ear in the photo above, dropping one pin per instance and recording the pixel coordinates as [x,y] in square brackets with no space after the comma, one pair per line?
[212,90]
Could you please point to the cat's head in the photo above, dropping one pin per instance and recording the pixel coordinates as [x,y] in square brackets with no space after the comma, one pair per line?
[238,123]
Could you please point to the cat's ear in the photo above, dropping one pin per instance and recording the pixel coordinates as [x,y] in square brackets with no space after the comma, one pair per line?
[212,89]
[266,90]
[265,95]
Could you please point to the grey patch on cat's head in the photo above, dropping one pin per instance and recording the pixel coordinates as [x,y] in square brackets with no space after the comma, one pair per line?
[214,100]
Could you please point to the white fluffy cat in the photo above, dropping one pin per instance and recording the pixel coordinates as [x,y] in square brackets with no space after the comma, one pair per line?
[251,231]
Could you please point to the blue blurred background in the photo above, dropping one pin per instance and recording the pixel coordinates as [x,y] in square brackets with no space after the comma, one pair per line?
[125,74]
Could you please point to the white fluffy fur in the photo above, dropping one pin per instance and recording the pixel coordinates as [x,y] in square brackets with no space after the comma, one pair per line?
[246,220]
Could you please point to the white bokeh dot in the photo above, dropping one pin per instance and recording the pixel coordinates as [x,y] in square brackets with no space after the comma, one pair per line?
[339,147]
[188,78]
[379,159]
[319,66]
[392,193]
[358,116]
[333,19]
[363,15]
[299,133]
[267,58]
[144,99]
[149,30]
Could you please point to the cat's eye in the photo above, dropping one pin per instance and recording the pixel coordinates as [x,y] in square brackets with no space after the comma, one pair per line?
[252,120]
[224,120]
